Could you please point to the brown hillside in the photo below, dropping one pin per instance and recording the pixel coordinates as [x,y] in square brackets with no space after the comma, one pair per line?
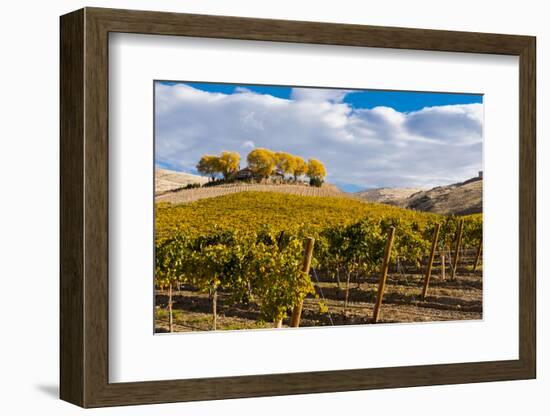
[169,180]
[460,198]
[391,196]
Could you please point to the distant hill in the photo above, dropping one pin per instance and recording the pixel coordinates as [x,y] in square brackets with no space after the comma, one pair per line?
[391,196]
[169,180]
[459,198]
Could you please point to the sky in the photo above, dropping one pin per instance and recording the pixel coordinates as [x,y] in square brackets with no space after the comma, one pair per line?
[366,138]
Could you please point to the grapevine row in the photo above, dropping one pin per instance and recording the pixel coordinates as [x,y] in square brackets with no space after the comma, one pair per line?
[263,265]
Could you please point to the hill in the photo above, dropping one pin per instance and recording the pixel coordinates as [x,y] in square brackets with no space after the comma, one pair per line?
[253,210]
[169,180]
[189,195]
[391,196]
[459,198]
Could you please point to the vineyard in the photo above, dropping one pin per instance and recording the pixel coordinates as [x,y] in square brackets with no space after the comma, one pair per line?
[191,195]
[266,259]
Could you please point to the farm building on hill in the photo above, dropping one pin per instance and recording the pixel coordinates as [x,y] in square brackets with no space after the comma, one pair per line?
[244,174]
[247,174]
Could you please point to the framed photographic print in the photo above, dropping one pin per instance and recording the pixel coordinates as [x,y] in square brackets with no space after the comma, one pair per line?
[255,207]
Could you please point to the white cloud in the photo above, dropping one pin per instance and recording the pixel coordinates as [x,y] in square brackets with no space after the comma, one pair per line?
[242,89]
[318,94]
[365,147]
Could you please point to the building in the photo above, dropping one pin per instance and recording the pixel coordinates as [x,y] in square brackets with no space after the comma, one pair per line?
[244,174]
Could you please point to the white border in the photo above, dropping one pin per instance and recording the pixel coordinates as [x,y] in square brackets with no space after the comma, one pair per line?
[135,354]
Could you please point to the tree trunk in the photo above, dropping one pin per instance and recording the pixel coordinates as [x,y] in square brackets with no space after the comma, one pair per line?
[170,315]
[278,323]
[339,291]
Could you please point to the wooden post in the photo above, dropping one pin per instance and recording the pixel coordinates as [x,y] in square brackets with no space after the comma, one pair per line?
[308,255]
[383,275]
[347,292]
[170,316]
[478,255]
[215,309]
[457,248]
[443,266]
[430,261]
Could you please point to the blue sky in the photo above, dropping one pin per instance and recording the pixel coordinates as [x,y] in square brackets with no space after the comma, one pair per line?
[366,138]
[398,100]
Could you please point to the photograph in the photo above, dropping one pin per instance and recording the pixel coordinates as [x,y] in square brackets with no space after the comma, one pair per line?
[282,206]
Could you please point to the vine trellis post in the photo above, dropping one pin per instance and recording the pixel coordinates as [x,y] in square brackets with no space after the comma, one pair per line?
[430,261]
[306,265]
[383,275]
[457,249]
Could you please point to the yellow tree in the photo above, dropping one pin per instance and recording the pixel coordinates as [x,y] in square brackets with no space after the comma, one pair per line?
[316,172]
[300,167]
[285,163]
[209,165]
[229,163]
[261,162]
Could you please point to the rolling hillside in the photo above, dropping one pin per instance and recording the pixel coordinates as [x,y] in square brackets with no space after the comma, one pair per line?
[252,210]
[391,196]
[169,180]
[190,195]
[459,198]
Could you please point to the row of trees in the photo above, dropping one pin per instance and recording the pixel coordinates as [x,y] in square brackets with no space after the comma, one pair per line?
[263,163]
[227,164]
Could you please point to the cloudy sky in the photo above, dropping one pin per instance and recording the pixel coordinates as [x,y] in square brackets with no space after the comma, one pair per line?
[366,138]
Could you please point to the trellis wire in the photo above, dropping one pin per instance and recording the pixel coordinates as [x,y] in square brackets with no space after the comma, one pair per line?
[322,294]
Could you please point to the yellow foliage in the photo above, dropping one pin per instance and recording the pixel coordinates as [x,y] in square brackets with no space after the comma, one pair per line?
[285,163]
[209,165]
[300,167]
[229,163]
[261,162]
[245,211]
[316,169]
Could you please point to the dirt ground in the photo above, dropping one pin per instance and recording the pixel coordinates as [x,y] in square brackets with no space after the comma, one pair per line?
[447,300]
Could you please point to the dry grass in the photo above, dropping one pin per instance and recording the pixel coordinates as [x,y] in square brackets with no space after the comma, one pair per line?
[168,180]
[460,198]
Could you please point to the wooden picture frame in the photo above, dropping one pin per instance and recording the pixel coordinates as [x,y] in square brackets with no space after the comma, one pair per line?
[84,207]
